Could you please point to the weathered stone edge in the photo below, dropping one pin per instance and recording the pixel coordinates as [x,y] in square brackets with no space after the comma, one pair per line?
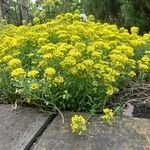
[40,131]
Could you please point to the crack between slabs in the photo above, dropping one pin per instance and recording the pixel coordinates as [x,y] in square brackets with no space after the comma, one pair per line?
[40,131]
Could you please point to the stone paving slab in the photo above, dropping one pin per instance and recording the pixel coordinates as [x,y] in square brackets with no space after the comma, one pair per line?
[125,134]
[18,127]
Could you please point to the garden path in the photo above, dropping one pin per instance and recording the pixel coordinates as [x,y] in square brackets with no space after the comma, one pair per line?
[25,128]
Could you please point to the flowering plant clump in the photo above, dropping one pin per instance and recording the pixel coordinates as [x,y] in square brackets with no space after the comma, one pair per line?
[78,124]
[74,64]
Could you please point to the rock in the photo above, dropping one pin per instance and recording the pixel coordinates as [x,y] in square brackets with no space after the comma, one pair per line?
[18,128]
[129,110]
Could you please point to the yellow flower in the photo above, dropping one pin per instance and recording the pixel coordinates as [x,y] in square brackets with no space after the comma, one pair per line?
[47,49]
[18,73]
[42,41]
[80,66]
[34,86]
[96,55]
[73,70]
[75,38]
[49,72]
[143,66]
[88,62]
[108,116]
[7,58]
[78,124]
[132,74]
[58,80]
[68,61]
[108,111]
[110,90]
[30,55]
[146,59]
[47,56]
[33,73]
[14,63]
[134,30]
[42,63]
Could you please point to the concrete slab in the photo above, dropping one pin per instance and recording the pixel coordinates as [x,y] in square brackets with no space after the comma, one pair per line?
[125,134]
[19,127]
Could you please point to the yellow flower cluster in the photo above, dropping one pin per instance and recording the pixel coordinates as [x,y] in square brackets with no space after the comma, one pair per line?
[144,63]
[49,72]
[58,80]
[87,59]
[34,86]
[33,73]
[14,63]
[108,116]
[78,124]
[18,74]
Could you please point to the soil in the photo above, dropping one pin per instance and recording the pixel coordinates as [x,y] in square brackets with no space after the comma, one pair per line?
[141,111]
[135,100]
[2,99]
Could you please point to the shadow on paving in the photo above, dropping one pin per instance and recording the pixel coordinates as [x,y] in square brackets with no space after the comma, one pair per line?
[125,134]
